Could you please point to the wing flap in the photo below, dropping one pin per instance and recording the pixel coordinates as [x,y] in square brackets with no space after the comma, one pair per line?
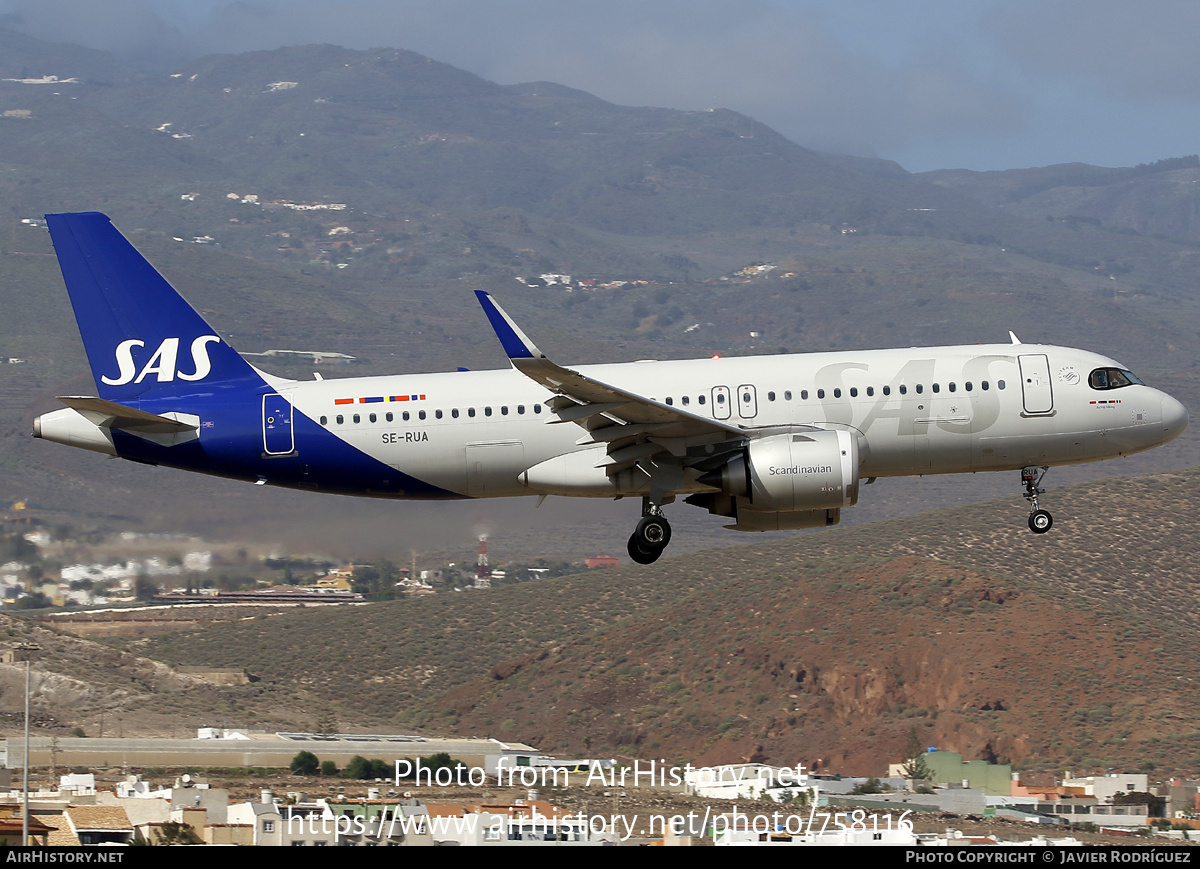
[661,440]
[588,396]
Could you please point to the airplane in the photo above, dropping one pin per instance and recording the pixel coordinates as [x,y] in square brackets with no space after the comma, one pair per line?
[770,442]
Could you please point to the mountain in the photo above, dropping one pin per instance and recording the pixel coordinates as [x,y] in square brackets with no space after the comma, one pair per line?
[1155,199]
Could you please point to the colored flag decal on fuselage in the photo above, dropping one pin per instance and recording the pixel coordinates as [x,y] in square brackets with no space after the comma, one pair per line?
[379,399]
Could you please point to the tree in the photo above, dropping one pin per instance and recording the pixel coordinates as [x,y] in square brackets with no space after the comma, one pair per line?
[305,763]
[1156,805]
[328,767]
[870,786]
[915,766]
[361,768]
[326,725]
[172,833]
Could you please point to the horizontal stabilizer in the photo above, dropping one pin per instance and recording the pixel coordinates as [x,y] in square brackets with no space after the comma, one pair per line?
[109,414]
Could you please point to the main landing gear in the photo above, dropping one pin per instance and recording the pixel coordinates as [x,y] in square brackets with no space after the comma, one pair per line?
[1040,521]
[651,536]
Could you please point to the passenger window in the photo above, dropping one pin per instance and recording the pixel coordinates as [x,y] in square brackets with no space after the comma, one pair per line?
[804,395]
[984,386]
[999,384]
[887,390]
[820,393]
[685,401]
[967,386]
[770,396]
[854,392]
[670,402]
[323,420]
[504,410]
[837,393]
[470,411]
[406,416]
[745,398]
[438,413]
[952,387]
[903,389]
[454,412]
[720,398]
[357,419]
[787,395]
[487,411]
[520,408]
[870,390]
[537,408]
[700,399]
[420,414]
[388,416]
[920,388]
[340,419]
[936,388]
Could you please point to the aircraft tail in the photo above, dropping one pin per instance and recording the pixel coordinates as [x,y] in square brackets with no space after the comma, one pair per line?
[142,339]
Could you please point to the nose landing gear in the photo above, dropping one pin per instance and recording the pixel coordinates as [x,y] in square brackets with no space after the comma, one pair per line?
[1040,521]
[651,535]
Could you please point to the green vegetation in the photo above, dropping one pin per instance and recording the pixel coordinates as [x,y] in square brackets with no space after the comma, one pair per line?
[915,765]
[305,763]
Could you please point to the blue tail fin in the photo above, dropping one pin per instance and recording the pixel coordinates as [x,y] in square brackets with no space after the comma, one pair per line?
[142,339]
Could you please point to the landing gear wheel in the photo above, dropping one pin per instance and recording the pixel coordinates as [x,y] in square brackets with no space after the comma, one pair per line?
[1040,521]
[650,537]
[642,556]
[652,533]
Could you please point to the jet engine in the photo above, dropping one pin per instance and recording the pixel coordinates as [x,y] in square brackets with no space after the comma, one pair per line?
[794,480]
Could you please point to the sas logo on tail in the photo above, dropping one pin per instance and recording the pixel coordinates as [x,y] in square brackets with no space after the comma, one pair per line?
[163,363]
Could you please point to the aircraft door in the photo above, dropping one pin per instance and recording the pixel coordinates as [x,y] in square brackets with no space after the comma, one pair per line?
[492,468]
[720,402]
[1035,383]
[747,399]
[278,436]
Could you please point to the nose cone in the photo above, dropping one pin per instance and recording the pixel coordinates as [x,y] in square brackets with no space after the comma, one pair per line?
[1174,418]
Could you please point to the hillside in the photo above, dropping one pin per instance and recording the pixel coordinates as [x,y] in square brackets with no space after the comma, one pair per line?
[1155,199]
[1076,647]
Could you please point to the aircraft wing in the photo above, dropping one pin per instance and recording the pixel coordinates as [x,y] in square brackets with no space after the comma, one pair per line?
[634,427]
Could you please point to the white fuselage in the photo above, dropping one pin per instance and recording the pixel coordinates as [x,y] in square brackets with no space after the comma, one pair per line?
[915,411]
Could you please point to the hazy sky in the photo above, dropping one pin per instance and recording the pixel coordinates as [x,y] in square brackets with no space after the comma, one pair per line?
[928,83]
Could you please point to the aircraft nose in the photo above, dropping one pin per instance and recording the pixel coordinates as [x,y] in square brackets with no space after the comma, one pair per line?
[1174,418]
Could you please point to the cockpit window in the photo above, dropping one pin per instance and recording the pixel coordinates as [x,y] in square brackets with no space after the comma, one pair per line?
[1112,378]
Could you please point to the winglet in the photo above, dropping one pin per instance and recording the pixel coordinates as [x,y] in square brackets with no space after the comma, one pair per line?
[516,343]
[1013,337]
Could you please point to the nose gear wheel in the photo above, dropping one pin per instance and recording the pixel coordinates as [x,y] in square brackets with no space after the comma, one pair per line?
[1040,521]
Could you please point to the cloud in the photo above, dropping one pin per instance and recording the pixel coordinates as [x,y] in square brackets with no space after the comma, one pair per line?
[782,63]
[1132,51]
[131,29]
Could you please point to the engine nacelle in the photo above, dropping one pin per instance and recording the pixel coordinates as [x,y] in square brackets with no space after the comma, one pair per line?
[791,473]
[794,520]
